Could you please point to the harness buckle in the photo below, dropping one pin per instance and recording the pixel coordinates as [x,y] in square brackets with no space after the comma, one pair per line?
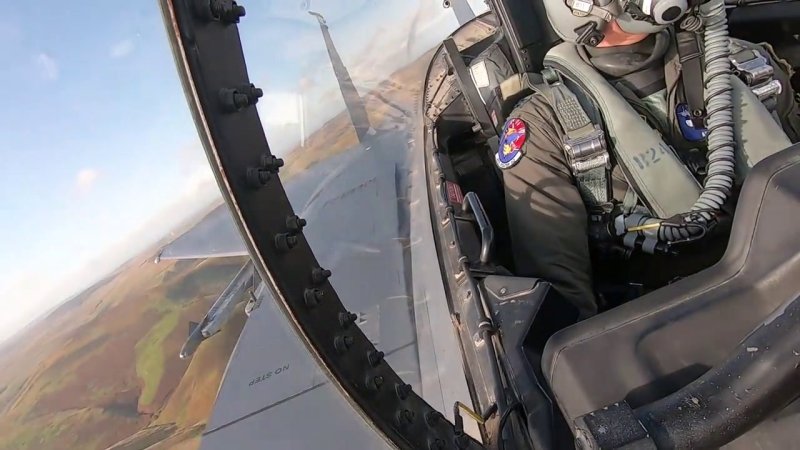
[586,152]
[752,67]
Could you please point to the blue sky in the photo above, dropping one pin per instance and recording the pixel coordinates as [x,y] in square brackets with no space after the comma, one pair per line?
[96,139]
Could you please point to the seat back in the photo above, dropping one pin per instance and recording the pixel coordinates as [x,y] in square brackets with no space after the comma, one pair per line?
[653,346]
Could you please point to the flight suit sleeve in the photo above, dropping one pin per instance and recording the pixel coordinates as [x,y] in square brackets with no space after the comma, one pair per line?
[547,217]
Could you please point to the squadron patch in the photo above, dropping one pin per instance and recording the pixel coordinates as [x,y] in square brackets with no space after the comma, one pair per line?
[509,151]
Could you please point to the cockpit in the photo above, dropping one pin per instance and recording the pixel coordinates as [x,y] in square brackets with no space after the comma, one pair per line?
[682,147]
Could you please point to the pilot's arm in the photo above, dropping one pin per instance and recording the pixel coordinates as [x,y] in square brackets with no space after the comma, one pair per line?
[547,218]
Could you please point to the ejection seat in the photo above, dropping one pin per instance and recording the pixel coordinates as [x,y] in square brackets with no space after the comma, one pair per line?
[654,346]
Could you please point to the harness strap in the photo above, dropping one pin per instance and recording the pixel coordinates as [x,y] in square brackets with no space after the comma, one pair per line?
[692,74]
[584,142]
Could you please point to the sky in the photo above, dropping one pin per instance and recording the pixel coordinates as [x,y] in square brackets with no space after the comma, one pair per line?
[100,157]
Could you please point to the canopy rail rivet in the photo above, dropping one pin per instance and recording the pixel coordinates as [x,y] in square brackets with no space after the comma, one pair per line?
[225,11]
[271,163]
[375,357]
[260,175]
[257,177]
[238,98]
[320,275]
[403,390]
[347,318]
[295,224]
[404,417]
[313,297]
[343,343]
[374,383]
[285,241]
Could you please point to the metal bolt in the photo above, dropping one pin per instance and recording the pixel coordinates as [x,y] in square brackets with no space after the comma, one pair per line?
[253,93]
[285,241]
[295,224]
[257,177]
[240,100]
[346,319]
[404,417]
[226,11]
[403,390]
[313,297]
[503,291]
[232,100]
[319,275]
[235,99]
[271,162]
[374,357]
[343,343]
[375,383]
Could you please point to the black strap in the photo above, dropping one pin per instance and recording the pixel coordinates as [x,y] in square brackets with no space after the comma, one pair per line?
[468,88]
[692,74]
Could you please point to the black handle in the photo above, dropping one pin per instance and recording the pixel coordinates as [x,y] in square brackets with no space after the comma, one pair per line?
[472,202]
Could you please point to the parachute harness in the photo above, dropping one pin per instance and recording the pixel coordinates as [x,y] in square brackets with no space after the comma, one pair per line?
[694,225]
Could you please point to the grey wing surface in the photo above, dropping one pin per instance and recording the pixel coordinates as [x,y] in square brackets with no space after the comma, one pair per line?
[360,227]
[214,236]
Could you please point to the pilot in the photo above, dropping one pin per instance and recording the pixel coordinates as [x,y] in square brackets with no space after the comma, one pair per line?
[547,213]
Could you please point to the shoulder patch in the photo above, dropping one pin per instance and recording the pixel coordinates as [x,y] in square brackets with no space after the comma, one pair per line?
[509,152]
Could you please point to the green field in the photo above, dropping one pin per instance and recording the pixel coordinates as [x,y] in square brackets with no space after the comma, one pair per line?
[102,370]
[150,355]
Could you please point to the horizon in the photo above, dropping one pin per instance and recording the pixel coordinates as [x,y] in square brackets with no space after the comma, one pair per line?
[126,159]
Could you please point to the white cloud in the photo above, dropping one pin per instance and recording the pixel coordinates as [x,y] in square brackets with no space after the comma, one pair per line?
[48,66]
[85,179]
[122,48]
[200,183]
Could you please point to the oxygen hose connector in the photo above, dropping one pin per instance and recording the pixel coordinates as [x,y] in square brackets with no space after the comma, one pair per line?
[652,234]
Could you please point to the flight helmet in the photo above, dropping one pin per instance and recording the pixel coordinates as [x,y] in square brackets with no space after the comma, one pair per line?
[583,21]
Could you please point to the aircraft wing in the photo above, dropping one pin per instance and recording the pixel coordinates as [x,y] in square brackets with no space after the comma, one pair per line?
[215,236]
[364,227]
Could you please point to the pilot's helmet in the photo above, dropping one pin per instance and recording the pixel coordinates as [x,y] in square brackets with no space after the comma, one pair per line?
[583,21]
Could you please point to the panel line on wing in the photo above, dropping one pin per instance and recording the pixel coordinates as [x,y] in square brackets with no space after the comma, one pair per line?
[293,396]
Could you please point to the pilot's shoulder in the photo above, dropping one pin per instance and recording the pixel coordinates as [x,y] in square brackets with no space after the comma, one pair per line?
[530,130]
[535,111]
[539,117]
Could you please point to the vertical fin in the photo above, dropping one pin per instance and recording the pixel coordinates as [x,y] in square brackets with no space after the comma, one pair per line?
[192,327]
[353,101]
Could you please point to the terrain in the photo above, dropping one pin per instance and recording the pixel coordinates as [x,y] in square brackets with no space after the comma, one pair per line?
[104,365]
